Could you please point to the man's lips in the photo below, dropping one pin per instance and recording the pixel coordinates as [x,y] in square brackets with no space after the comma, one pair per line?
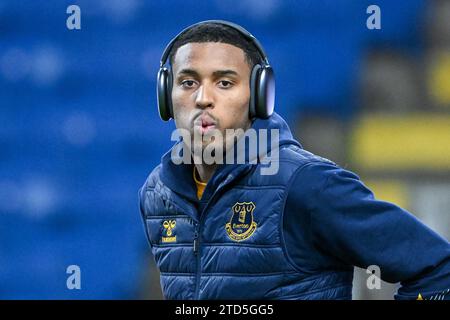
[205,123]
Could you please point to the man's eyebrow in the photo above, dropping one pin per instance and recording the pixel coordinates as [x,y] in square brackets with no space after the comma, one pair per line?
[222,73]
[217,73]
[190,72]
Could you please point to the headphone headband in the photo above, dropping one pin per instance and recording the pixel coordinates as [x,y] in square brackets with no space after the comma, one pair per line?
[236,27]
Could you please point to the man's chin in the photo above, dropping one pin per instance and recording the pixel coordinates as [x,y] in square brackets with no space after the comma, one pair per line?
[208,153]
[205,146]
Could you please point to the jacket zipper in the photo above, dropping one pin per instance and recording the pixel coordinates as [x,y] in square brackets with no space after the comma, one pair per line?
[197,238]
[197,251]
[198,260]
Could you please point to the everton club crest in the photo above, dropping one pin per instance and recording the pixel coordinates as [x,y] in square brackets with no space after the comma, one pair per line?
[241,225]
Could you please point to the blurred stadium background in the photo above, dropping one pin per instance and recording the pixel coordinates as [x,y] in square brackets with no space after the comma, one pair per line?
[79,129]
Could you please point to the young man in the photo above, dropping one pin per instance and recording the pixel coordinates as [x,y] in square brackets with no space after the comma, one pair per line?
[229,230]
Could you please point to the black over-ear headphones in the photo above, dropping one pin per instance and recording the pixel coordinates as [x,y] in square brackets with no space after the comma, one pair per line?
[262,81]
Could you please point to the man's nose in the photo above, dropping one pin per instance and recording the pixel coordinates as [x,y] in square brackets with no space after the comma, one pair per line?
[204,97]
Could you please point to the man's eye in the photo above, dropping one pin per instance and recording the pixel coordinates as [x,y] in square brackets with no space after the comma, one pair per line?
[188,83]
[225,84]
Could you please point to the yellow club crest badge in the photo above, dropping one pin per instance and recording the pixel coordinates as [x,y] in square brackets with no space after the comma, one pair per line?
[241,225]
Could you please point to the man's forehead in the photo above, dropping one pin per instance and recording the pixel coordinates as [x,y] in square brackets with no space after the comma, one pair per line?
[209,54]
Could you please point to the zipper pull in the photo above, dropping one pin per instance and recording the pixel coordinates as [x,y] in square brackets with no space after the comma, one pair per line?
[195,242]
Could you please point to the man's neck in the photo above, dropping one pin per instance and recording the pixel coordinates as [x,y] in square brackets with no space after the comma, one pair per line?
[205,171]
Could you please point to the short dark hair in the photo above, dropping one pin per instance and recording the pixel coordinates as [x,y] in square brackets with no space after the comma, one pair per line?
[217,32]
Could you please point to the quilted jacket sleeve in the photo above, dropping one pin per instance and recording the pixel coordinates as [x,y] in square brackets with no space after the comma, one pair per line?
[349,225]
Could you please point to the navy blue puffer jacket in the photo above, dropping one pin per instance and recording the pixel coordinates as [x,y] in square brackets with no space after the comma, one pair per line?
[293,235]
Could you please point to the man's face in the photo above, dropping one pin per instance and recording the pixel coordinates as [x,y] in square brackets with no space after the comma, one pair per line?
[211,89]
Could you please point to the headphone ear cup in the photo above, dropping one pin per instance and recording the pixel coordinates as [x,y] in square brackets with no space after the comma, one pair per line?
[265,93]
[254,79]
[163,93]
